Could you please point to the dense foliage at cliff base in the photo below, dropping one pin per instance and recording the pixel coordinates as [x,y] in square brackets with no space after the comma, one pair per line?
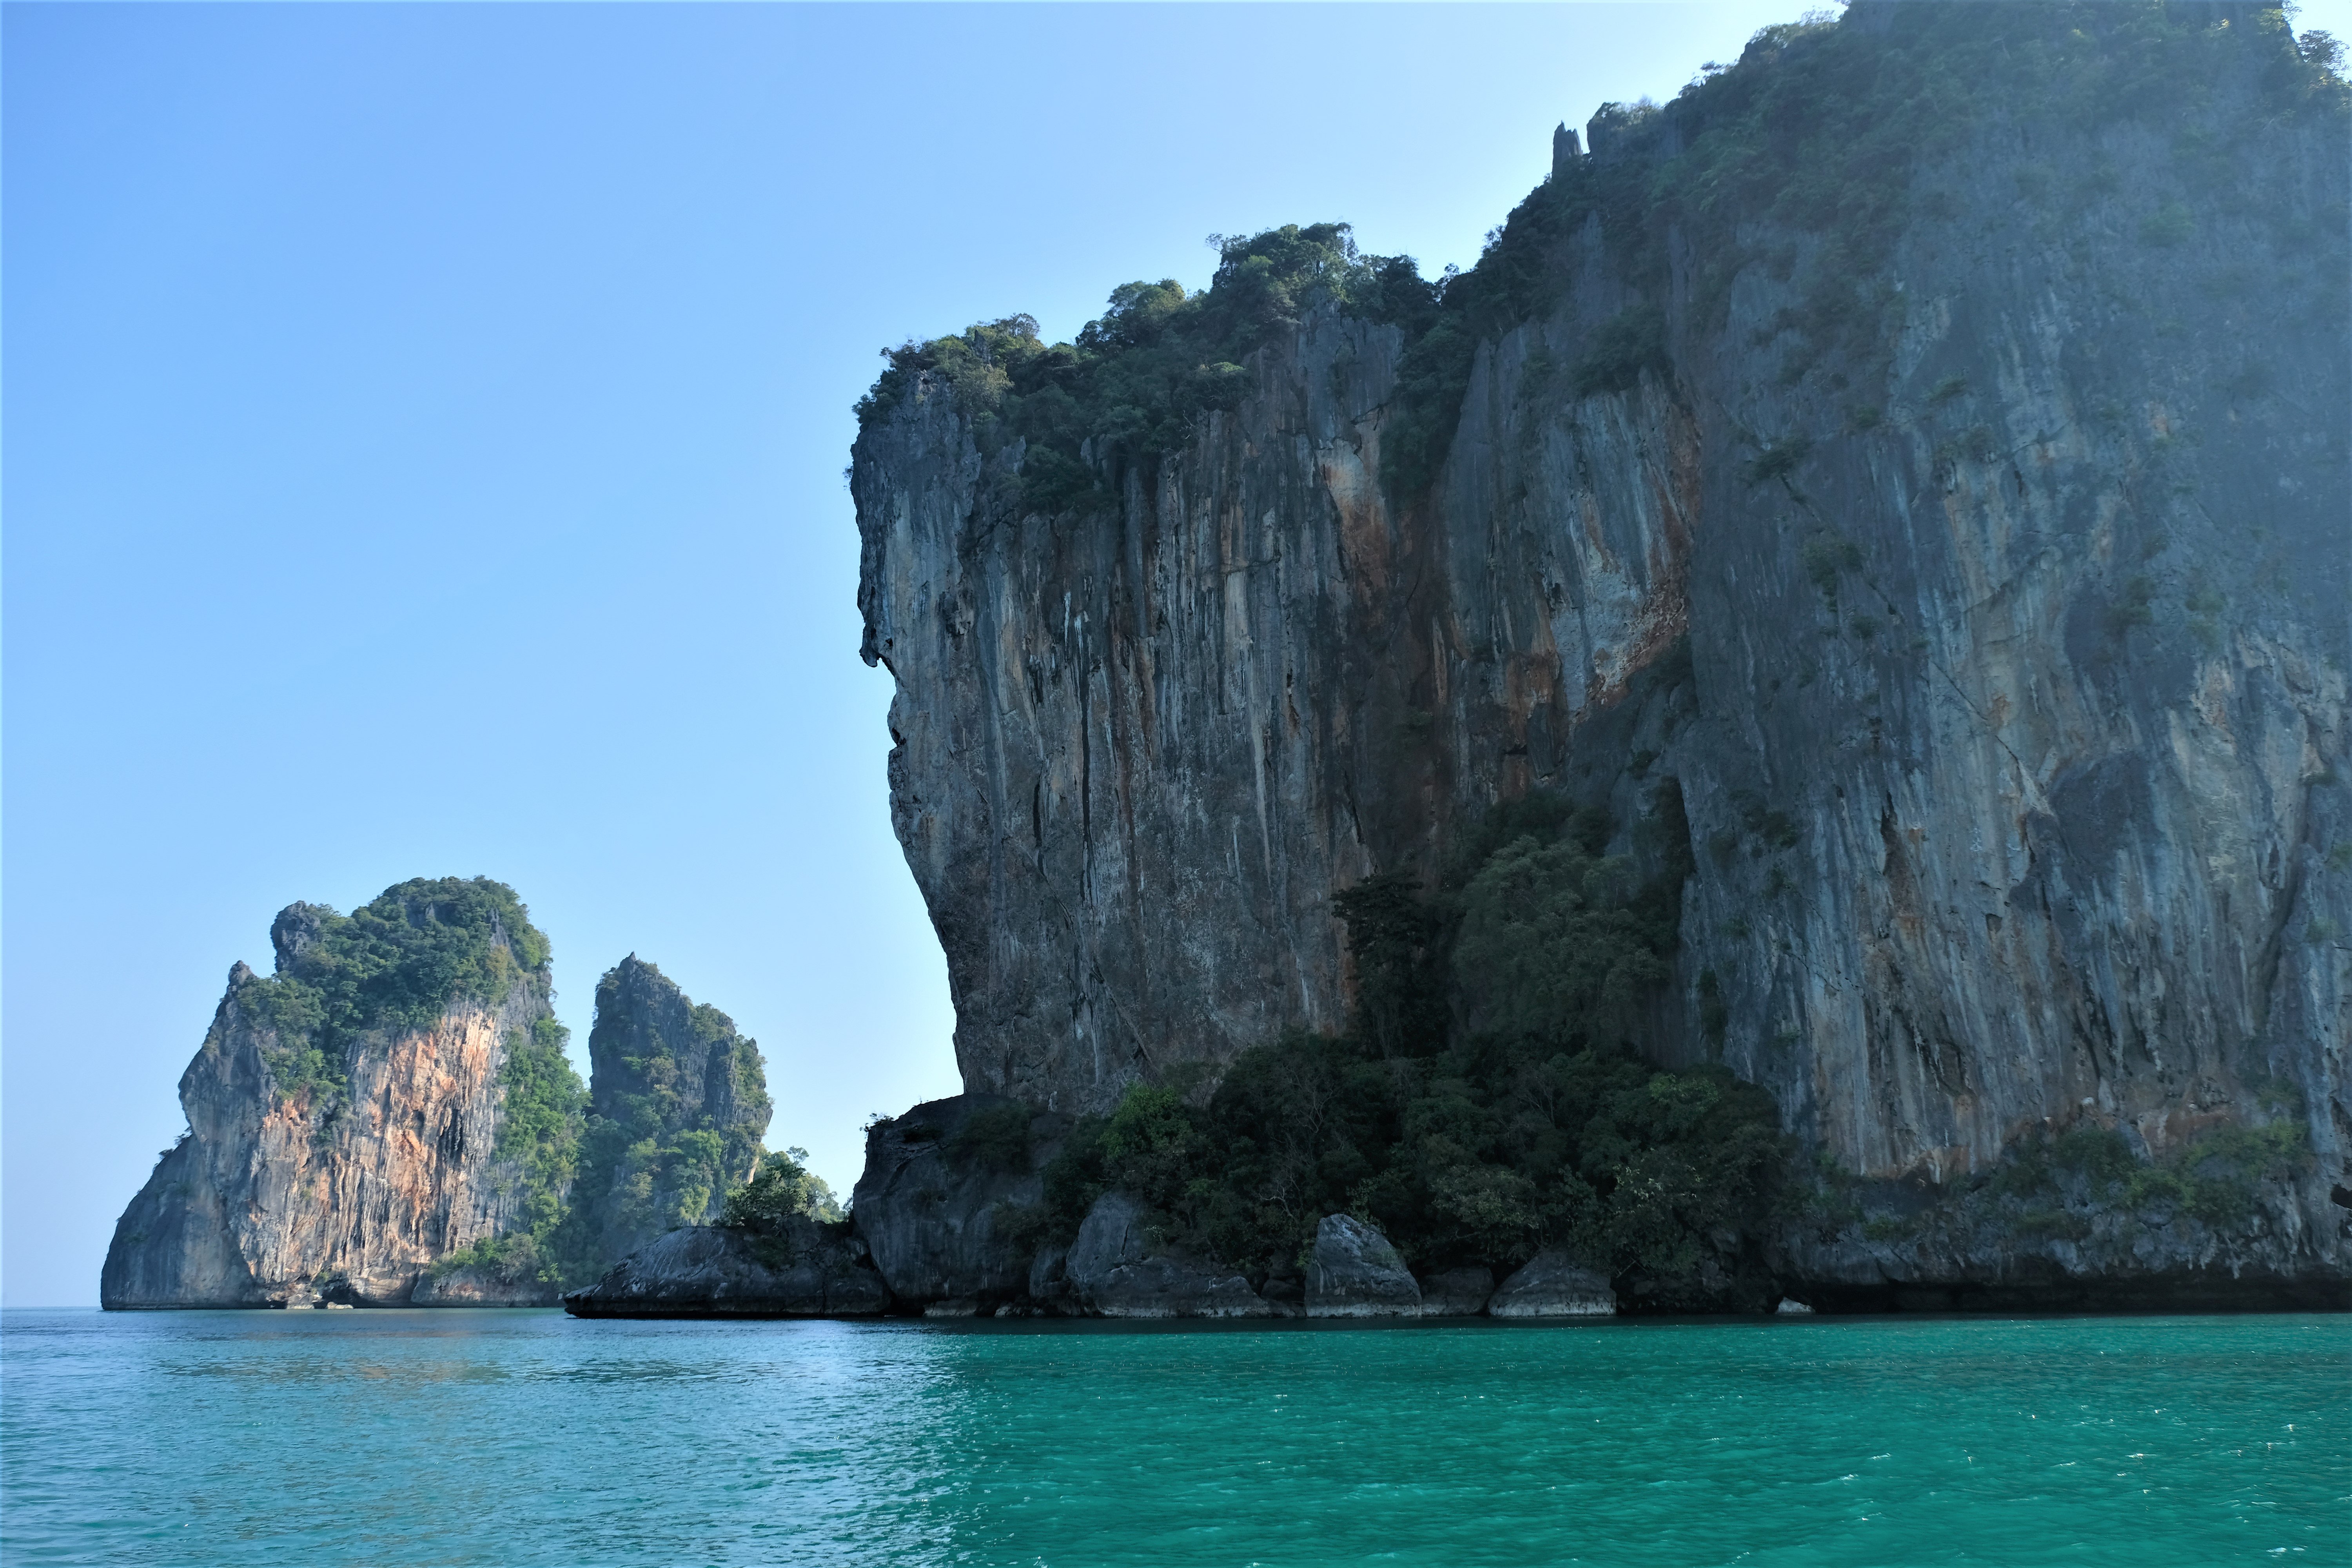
[1495,1094]
[1488,1098]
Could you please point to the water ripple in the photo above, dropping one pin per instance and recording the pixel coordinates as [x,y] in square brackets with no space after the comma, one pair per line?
[528,1438]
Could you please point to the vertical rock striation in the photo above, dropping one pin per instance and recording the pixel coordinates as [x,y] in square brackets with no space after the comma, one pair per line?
[677,1106]
[345,1116]
[1981,598]
[1130,764]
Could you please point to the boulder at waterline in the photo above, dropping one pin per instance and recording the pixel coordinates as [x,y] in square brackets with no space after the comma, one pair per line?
[1554,1285]
[1115,1270]
[1355,1273]
[938,1184]
[1456,1292]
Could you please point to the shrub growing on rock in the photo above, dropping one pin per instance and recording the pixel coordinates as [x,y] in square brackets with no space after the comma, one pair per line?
[780,1188]
[1487,1100]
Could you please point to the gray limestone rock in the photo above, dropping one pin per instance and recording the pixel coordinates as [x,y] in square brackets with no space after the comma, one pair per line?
[1998,668]
[1554,1285]
[295,931]
[941,1184]
[807,1270]
[1355,1273]
[1115,1270]
[1457,1292]
[1112,1234]
[663,1066]
[480,1287]
[1049,1279]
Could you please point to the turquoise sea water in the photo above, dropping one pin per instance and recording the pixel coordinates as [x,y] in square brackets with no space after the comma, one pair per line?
[526,1438]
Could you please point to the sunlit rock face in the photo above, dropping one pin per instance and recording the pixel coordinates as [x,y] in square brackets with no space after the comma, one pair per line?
[301,1197]
[2000,674]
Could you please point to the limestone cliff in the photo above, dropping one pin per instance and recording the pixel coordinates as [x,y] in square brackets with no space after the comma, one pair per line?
[1945,506]
[678,1105]
[349,1117]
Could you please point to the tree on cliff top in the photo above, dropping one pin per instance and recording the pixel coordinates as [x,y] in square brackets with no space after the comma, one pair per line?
[1818,134]
[1132,385]
[782,1187]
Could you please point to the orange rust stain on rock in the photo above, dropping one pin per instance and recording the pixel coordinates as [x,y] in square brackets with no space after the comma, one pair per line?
[1364,519]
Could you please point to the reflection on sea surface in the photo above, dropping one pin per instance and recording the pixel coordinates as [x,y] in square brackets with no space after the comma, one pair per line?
[526,1438]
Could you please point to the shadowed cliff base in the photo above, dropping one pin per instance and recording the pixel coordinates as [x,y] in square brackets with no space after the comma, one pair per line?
[945,1229]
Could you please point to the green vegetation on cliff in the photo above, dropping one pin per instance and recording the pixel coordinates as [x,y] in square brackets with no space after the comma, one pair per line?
[782,1187]
[542,1121]
[1488,1100]
[544,1106]
[397,963]
[679,1107]
[1132,385]
[1811,151]
[1809,156]
[2070,1183]
[2213,1178]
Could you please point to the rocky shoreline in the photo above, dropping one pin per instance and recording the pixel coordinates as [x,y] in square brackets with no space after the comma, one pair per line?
[939,1231]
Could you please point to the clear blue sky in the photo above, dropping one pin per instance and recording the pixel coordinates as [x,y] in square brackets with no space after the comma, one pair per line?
[424,441]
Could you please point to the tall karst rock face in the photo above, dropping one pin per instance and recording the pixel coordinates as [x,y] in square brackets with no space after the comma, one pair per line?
[678,1104]
[1916,459]
[393,1095]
